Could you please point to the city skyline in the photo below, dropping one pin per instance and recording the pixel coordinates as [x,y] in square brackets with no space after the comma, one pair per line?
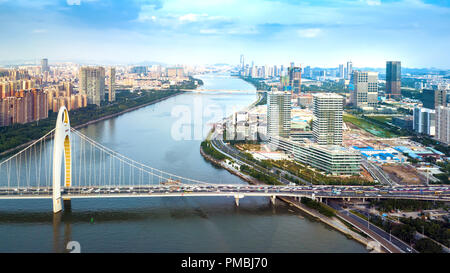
[315,33]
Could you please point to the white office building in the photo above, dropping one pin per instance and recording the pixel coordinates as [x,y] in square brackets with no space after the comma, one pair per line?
[279,113]
[364,89]
[424,121]
[327,121]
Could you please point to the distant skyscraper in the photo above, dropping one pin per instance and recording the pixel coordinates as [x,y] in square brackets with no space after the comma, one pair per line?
[393,79]
[364,89]
[92,84]
[295,79]
[341,71]
[139,70]
[112,83]
[44,65]
[279,114]
[308,72]
[349,71]
[327,121]
[242,64]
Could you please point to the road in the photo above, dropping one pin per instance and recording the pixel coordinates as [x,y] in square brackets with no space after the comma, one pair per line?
[219,145]
[377,173]
[389,241]
[315,191]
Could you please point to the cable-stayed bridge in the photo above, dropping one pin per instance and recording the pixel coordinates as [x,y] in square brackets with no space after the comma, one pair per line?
[65,164]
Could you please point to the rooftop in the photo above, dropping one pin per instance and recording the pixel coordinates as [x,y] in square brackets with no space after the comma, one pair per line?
[328,96]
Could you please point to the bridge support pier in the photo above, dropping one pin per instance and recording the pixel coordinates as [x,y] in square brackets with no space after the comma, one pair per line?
[237,197]
[272,199]
[67,204]
[320,199]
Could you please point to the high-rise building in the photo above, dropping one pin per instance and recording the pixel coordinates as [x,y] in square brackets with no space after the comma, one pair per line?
[92,84]
[175,72]
[279,113]
[364,89]
[138,70]
[443,124]
[327,121]
[393,79]
[440,97]
[295,79]
[44,66]
[242,64]
[112,83]
[349,71]
[341,71]
[22,107]
[68,89]
[424,121]
[433,98]
[308,72]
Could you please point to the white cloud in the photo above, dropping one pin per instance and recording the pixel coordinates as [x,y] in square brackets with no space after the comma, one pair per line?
[191,17]
[73,2]
[208,31]
[146,18]
[373,2]
[309,32]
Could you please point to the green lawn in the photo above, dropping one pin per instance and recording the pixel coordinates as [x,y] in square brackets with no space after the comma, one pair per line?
[382,118]
[369,126]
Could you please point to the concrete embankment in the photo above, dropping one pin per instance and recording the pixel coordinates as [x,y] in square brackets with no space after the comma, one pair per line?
[333,222]
[223,165]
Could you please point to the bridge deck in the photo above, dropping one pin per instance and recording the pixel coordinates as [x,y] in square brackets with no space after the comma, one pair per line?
[238,191]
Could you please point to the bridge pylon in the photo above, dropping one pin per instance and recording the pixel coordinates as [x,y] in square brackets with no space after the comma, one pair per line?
[61,146]
[272,199]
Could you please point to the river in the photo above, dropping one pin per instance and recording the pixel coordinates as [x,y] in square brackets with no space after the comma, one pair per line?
[152,136]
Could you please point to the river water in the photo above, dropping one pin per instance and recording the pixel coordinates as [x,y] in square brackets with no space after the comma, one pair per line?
[167,136]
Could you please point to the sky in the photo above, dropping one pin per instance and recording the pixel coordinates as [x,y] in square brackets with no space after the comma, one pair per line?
[319,33]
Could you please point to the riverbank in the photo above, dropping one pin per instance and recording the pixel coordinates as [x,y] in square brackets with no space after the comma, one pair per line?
[332,222]
[124,111]
[21,146]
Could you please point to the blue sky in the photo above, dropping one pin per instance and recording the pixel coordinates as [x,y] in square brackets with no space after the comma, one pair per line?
[312,32]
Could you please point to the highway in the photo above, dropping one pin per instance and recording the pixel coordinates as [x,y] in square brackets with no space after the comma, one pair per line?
[399,243]
[317,191]
[372,230]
